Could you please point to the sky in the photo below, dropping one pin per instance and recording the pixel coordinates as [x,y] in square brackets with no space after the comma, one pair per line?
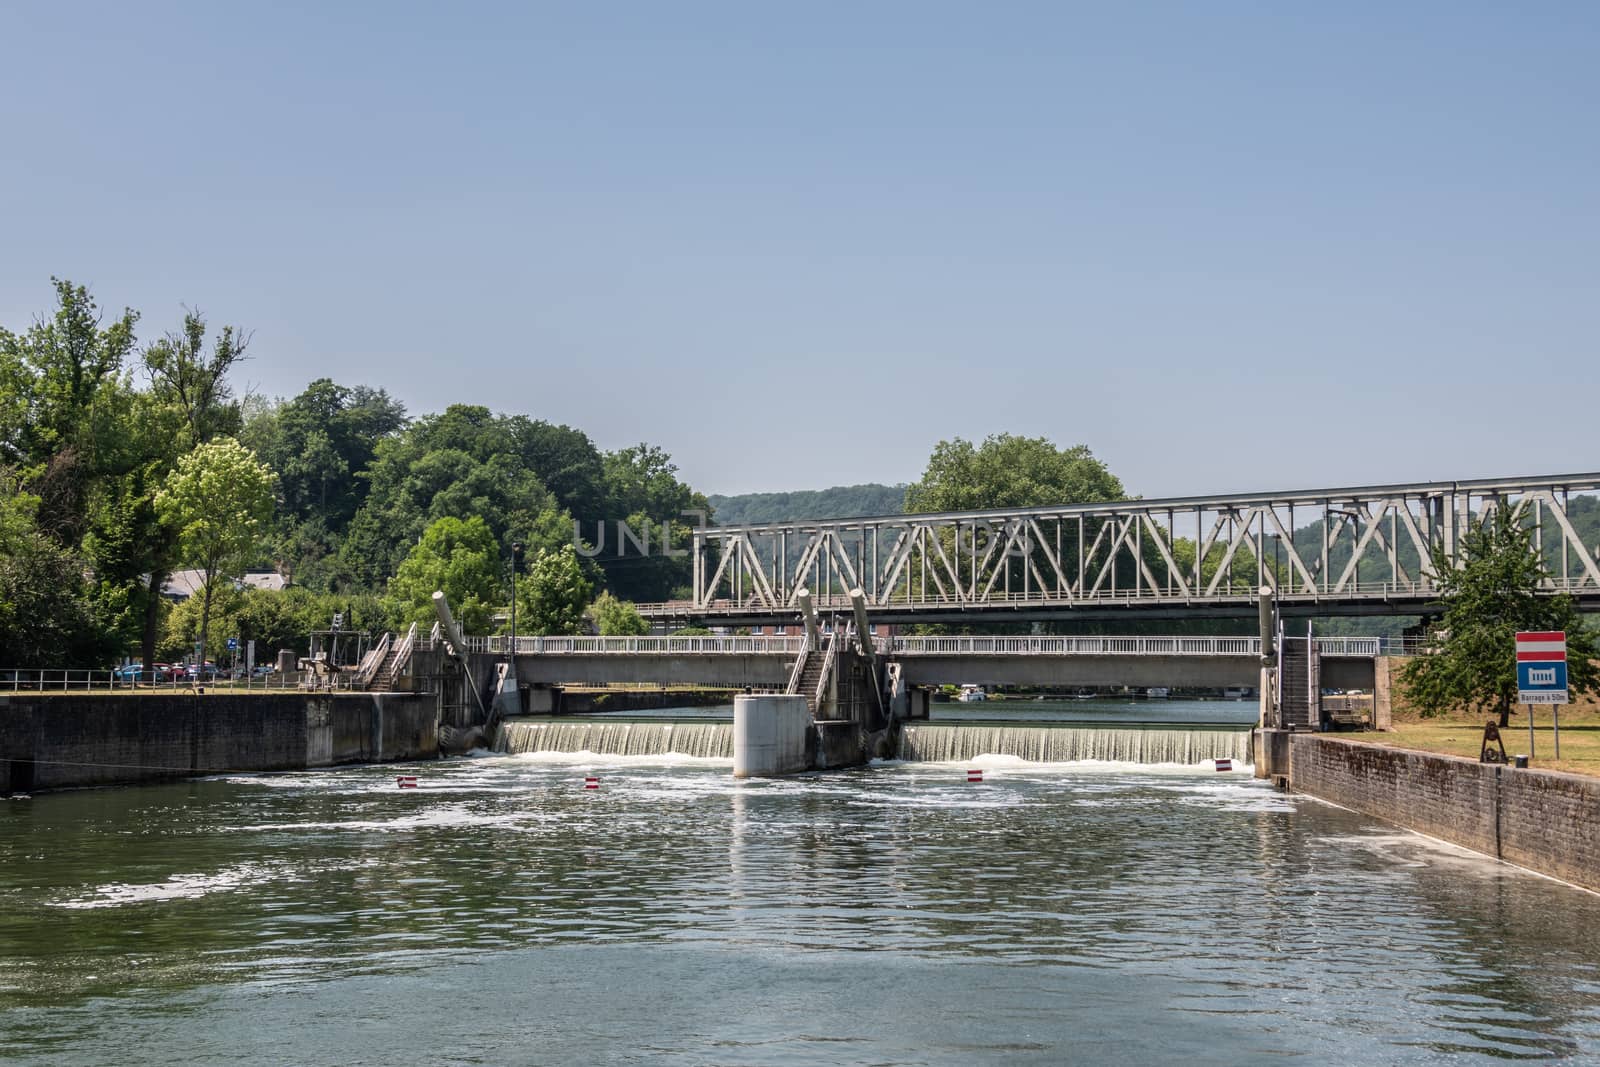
[1228,246]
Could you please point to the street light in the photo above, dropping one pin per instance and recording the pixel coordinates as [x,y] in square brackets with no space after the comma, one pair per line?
[516,565]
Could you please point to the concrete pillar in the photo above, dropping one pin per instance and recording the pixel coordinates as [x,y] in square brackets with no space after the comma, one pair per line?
[1268,611]
[770,732]
[808,615]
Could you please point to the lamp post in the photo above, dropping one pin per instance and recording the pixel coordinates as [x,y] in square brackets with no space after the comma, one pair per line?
[516,565]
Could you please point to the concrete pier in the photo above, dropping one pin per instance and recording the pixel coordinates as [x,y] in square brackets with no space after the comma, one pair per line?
[770,735]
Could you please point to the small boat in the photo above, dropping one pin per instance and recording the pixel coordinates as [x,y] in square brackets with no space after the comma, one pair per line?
[1083,694]
[971,694]
[1158,692]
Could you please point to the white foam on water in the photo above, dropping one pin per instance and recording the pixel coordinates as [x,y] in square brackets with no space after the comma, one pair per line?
[1003,763]
[585,757]
[177,887]
[440,817]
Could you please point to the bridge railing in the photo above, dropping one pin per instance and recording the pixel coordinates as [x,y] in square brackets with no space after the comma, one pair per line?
[1124,646]
[932,599]
[680,646]
[972,645]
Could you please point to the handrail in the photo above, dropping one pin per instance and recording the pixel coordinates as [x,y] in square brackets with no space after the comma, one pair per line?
[372,661]
[799,667]
[829,662]
[1092,645]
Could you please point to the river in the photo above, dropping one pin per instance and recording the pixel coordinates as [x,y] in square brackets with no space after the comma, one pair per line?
[898,914]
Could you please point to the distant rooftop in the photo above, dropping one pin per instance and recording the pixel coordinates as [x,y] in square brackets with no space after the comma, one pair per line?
[181,585]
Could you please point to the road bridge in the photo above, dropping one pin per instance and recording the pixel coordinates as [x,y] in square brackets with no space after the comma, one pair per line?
[766,662]
[1365,550]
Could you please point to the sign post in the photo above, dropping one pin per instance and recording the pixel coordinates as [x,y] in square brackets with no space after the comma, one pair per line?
[1542,675]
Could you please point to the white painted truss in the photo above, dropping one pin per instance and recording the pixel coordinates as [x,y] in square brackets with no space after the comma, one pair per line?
[1328,548]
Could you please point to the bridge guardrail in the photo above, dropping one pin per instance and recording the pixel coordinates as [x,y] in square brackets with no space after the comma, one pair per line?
[923,646]
[590,646]
[932,600]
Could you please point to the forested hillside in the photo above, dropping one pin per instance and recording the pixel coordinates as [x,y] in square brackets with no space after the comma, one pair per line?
[840,502]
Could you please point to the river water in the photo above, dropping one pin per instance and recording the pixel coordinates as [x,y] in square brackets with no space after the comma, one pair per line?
[502,913]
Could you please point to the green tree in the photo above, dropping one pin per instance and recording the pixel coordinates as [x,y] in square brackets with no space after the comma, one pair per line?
[459,557]
[45,619]
[1010,472]
[1485,600]
[552,595]
[217,504]
[617,618]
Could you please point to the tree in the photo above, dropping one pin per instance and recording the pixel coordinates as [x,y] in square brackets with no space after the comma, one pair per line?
[552,595]
[51,375]
[196,383]
[1010,472]
[217,504]
[1490,596]
[459,557]
[617,618]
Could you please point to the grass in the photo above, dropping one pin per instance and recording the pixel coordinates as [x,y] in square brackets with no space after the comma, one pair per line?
[1463,736]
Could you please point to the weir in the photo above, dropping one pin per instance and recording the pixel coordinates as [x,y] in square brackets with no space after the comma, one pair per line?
[940,742]
[921,742]
[712,740]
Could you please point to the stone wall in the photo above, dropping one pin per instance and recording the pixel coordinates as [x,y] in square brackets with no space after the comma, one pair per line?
[1542,820]
[60,741]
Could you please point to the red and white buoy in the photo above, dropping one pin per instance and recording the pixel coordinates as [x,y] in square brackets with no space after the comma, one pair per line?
[591,782]
[406,781]
[1224,764]
[975,775]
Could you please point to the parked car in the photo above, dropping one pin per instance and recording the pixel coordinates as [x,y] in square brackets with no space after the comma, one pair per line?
[171,672]
[129,672]
[203,672]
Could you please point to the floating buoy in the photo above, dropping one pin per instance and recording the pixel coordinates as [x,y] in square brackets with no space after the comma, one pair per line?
[406,781]
[591,782]
[974,775]
[1224,764]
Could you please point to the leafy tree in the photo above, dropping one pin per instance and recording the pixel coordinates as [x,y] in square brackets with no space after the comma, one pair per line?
[459,557]
[1485,601]
[196,383]
[51,374]
[1010,472]
[552,595]
[44,617]
[460,463]
[218,504]
[644,491]
[617,618]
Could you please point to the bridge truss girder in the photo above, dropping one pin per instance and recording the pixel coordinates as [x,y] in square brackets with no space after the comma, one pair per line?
[1337,551]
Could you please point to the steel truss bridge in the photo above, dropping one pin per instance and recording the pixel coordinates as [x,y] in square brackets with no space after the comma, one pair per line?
[1355,551]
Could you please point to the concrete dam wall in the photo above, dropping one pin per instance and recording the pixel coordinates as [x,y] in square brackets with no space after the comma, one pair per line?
[61,741]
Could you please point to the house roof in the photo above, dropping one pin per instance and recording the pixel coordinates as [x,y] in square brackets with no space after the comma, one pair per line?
[181,585]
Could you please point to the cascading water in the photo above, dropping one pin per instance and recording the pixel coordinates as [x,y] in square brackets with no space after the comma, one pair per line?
[938,742]
[713,740]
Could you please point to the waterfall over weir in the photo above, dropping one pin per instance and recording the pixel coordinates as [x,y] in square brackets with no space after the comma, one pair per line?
[919,742]
[940,742]
[712,740]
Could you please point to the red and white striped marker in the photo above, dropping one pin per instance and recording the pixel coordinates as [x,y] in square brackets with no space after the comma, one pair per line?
[975,775]
[406,781]
[1224,764]
[591,782]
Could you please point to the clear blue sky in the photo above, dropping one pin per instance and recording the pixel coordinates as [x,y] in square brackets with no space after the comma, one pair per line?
[1227,246]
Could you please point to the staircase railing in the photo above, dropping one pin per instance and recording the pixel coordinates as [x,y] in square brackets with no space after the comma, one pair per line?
[799,668]
[402,654]
[828,660]
[371,662]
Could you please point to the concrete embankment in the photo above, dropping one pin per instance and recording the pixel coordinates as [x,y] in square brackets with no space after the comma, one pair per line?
[1546,821]
[60,741]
